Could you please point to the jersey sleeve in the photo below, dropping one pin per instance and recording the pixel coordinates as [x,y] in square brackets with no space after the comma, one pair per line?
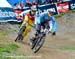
[25,20]
[53,19]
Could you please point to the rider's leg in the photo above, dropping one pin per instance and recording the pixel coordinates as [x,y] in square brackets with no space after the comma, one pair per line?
[26,31]
[42,26]
[28,26]
[38,28]
[54,29]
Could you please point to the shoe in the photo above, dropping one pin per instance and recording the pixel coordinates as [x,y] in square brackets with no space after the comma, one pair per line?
[54,33]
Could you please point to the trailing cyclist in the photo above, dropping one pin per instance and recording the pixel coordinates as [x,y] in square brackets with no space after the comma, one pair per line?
[29,20]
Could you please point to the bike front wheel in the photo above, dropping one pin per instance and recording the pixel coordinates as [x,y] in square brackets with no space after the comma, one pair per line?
[38,44]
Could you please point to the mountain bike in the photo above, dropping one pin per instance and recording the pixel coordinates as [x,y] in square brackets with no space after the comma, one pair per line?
[38,41]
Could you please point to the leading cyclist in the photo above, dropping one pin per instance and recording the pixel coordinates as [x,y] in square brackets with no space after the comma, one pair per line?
[41,20]
[44,19]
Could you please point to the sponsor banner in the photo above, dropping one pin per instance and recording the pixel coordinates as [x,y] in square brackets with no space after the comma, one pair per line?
[45,8]
[19,13]
[62,7]
[41,8]
[66,0]
[71,5]
[6,14]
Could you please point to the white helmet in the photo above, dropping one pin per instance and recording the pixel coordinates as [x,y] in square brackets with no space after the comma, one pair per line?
[33,8]
[51,11]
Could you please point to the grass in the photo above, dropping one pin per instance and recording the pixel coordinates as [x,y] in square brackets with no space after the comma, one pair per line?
[72,11]
[61,14]
[67,48]
[4,33]
[7,50]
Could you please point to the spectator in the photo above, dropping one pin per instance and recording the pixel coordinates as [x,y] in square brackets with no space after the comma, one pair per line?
[16,6]
[29,3]
[34,2]
[47,1]
[21,5]
[54,1]
[39,2]
[17,10]
[58,0]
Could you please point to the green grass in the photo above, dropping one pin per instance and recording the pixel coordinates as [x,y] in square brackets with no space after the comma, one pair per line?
[67,48]
[72,11]
[4,33]
[7,50]
[61,14]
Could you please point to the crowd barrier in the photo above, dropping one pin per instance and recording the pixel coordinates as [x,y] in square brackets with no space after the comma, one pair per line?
[8,14]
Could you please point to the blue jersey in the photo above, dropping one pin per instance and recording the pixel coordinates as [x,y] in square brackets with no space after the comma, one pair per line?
[41,18]
[37,18]
[52,19]
[30,0]
[44,17]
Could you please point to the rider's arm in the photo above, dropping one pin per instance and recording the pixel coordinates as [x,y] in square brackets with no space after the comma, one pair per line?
[25,20]
[53,24]
[50,25]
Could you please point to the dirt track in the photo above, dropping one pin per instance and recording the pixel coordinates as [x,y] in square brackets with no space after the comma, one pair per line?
[55,47]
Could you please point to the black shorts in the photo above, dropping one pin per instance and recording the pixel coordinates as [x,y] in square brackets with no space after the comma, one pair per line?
[43,24]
